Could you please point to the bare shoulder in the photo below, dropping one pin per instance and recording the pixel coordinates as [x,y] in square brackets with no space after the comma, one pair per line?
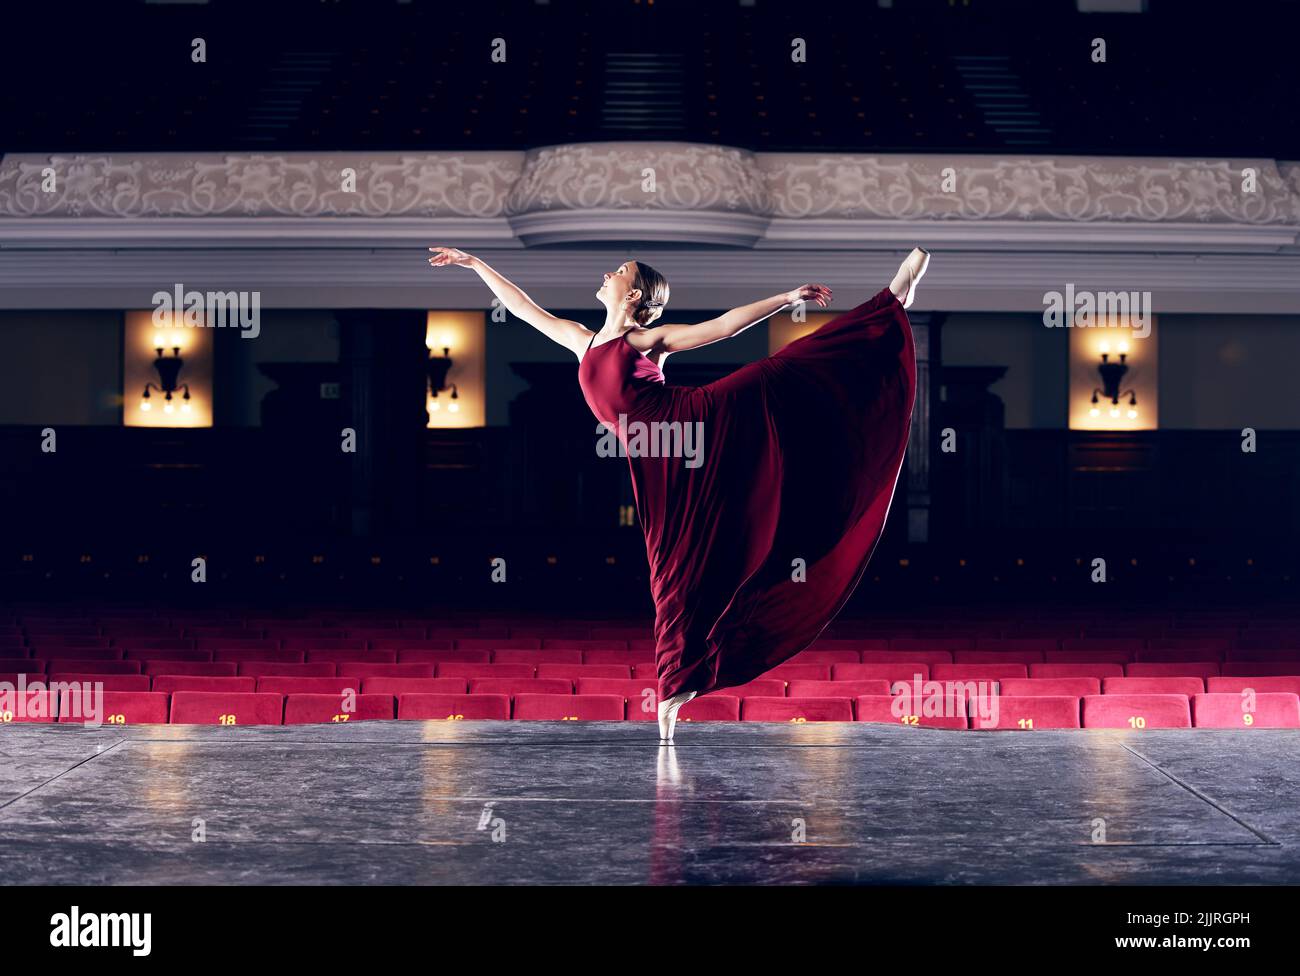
[645,340]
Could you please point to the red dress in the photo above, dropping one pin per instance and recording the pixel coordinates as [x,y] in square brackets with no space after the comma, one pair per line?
[797,458]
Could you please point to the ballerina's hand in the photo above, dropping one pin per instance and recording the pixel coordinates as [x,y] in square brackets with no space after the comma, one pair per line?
[443,256]
[810,293]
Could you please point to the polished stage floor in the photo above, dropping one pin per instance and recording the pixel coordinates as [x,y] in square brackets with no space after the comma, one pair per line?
[520,802]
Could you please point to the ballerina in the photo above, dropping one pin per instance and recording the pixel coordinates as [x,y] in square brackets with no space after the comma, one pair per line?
[753,552]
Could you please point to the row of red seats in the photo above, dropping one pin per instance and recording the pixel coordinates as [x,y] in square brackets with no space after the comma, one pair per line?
[888,671]
[954,647]
[1150,711]
[618,656]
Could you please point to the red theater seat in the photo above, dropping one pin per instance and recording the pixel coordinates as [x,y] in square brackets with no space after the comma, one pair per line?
[1034,644]
[978,672]
[902,671]
[806,672]
[1272,710]
[1235,684]
[21,665]
[1030,712]
[362,657]
[110,682]
[1087,657]
[1136,712]
[646,669]
[765,709]
[1104,644]
[826,657]
[33,705]
[585,644]
[305,685]
[906,657]
[641,695]
[1055,670]
[498,643]
[443,657]
[615,657]
[93,667]
[569,708]
[997,657]
[705,708]
[363,669]
[1182,654]
[403,686]
[881,708]
[520,686]
[241,654]
[422,646]
[1153,686]
[78,653]
[1182,669]
[304,709]
[325,644]
[452,707]
[532,658]
[119,708]
[211,669]
[1249,668]
[938,643]
[233,644]
[1050,687]
[316,669]
[575,671]
[184,682]
[226,708]
[837,689]
[758,688]
[858,644]
[457,669]
[136,653]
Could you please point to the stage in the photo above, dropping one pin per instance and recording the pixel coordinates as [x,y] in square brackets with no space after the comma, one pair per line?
[601,803]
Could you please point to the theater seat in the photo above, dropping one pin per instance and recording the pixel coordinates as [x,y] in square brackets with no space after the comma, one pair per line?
[304,709]
[575,671]
[640,694]
[424,707]
[33,705]
[1026,713]
[209,669]
[363,669]
[705,708]
[880,708]
[569,708]
[1153,686]
[1263,668]
[772,709]
[110,682]
[520,686]
[404,686]
[1098,670]
[1237,684]
[460,669]
[759,687]
[226,708]
[120,708]
[1050,687]
[307,685]
[998,656]
[533,658]
[792,672]
[895,657]
[837,689]
[169,683]
[311,669]
[1182,669]
[826,657]
[979,672]
[891,672]
[1271,710]
[1136,712]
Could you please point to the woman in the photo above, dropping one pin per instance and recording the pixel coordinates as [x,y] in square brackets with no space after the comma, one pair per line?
[755,545]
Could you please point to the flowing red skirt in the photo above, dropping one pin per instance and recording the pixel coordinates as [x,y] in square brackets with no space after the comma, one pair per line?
[753,552]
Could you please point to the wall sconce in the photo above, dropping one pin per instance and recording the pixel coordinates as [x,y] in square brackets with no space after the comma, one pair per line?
[1112,375]
[437,368]
[169,371]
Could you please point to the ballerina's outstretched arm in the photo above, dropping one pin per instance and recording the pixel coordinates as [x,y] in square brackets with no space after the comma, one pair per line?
[676,338]
[566,332]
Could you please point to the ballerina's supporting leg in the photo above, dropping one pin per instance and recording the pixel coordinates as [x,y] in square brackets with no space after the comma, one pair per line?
[909,273]
[668,709]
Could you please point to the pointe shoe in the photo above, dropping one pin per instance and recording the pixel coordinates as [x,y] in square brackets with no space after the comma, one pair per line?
[909,273]
[668,709]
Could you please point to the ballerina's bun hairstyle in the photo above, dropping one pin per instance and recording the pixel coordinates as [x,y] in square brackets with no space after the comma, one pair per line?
[654,294]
